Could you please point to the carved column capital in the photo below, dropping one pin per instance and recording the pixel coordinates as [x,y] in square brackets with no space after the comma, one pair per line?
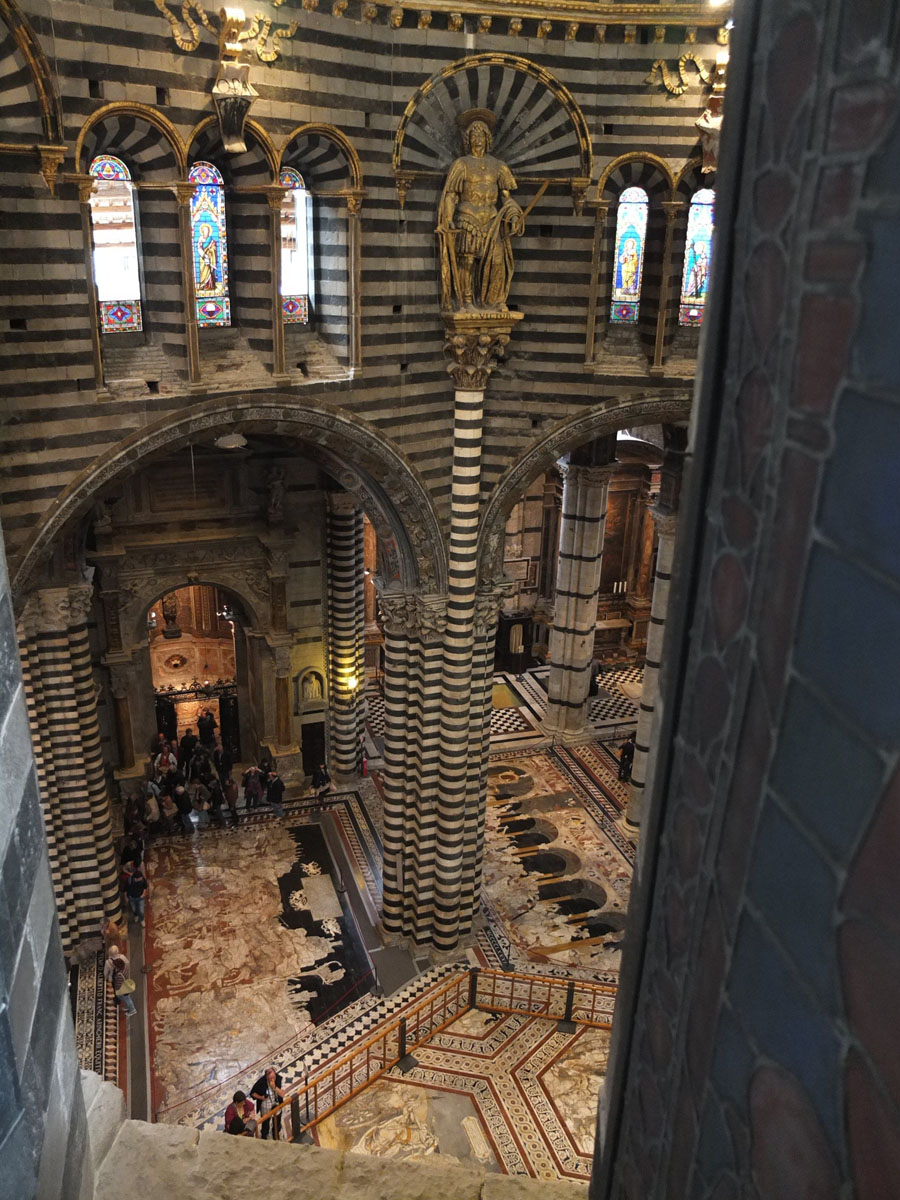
[587,476]
[274,194]
[121,677]
[488,604]
[343,504]
[55,609]
[281,656]
[408,614]
[354,202]
[184,191]
[665,521]
[474,343]
[85,185]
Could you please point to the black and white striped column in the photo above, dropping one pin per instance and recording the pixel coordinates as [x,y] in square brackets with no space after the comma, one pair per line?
[62,710]
[585,491]
[346,631]
[665,527]
[413,631]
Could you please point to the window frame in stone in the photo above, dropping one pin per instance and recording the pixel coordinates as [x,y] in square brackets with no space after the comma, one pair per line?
[296,206]
[625,309]
[117,312]
[212,304]
[691,306]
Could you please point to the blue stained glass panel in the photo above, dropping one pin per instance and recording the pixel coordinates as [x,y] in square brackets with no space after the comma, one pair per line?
[210,245]
[628,263]
[697,255]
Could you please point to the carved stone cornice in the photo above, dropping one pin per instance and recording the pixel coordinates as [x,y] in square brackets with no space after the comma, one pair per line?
[412,615]
[474,343]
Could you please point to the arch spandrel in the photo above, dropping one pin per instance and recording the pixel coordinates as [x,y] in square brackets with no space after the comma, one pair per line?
[389,486]
[598,421]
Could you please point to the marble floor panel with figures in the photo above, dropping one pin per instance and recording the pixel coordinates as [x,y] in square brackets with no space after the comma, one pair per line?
[249,945]
[508,1093]
[557,865]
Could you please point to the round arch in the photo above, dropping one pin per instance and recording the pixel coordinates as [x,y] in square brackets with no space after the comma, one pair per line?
[260,136]
[143,596]
[637,159]
[332,134]
[598,421]
[387,485]
[141,112]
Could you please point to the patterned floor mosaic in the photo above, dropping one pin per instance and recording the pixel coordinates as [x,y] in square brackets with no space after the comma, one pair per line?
[96,1019]
[612,712]
[507,1093]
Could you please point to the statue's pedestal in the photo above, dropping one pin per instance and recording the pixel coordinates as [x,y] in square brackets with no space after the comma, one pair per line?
[475,340]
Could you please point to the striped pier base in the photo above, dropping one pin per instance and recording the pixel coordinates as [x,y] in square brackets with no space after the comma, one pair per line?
[62,713]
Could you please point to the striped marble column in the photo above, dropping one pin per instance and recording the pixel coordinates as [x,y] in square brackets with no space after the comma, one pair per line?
[413,628]
[472,346]
[665,526]
[62,710]
[585,492]
[346,631]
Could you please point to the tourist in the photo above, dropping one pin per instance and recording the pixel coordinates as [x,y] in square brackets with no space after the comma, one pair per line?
[321,782]
[231,798]
[252,785]
[187,745]
[267,1092]
[241,1109]
[123,986]
[136,890]
[184,806]
[275,793]
[626,758]
[206,727]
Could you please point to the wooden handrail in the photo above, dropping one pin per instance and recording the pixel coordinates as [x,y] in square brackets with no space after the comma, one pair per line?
[462,985]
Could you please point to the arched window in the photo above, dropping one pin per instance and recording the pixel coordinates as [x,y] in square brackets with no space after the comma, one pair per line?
[210,245]
[116,270]
[295,247]
[628,261]
[697,253]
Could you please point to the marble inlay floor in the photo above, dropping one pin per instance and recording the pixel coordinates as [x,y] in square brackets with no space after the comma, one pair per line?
[507,1093]
[243,960]
[557,868]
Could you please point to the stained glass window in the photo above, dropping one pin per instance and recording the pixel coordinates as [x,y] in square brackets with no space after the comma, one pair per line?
[116,272]
[295,244]
[210,245]
[631,230]
[697,254]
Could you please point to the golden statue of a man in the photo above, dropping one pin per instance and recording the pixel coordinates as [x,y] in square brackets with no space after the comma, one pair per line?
[477,219]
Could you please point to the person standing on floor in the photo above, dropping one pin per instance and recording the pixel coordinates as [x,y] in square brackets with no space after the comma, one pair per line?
[137,890]
[321,782]
[123,985]
[268,1092]
[206,727]
[626,758]
[231,798]
[275,793]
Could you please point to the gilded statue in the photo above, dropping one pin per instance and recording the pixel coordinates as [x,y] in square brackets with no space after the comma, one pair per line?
[477,220]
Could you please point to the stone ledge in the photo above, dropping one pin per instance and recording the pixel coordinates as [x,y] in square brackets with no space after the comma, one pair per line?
[182,1164]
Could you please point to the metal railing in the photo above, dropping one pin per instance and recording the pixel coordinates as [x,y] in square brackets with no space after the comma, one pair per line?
[569,1002]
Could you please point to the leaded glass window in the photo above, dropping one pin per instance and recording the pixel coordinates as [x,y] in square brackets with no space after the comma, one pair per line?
[116,271]
[210,245]
[628,264]
[697,253]
[295,247]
